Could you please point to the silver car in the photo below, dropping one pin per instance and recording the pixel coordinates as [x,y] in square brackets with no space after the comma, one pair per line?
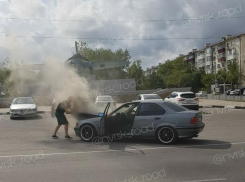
[23,107]
[163,121]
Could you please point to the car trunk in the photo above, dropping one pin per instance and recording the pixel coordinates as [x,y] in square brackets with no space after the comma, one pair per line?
[189,98]
[184,118]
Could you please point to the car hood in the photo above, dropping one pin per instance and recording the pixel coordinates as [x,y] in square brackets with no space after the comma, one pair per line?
[95,121]
[22,106]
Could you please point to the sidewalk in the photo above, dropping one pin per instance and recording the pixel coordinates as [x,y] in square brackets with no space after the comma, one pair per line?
[204,103]
[221,103]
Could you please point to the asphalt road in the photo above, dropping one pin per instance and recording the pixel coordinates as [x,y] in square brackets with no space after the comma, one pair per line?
[29,154]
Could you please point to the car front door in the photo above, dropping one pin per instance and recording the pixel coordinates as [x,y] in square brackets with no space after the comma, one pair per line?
[103,120]
[148,116]
[119,121]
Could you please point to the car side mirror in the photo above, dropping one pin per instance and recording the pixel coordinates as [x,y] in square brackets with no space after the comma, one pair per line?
[100,114]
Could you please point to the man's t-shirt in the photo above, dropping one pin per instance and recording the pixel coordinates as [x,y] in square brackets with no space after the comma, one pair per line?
[60,107]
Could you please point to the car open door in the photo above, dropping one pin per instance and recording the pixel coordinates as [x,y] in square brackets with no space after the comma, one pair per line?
[103,120]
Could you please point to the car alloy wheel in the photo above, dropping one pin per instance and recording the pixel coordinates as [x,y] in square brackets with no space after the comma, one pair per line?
[167,135]
[87,132]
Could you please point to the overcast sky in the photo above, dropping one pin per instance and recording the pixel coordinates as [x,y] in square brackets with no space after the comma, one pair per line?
[94,16]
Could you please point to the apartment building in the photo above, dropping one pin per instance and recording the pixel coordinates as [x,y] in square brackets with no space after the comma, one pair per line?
[191,56]
[217,56]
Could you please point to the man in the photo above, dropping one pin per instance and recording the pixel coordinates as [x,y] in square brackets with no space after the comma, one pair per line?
[62,108]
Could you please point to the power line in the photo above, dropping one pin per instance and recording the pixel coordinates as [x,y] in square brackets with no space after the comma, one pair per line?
[99,38]
[121,21]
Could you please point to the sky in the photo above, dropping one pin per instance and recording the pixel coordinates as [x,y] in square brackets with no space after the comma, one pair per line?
[38,30]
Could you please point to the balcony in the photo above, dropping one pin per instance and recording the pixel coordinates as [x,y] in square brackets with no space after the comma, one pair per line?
[208,62]
[221,49]
[191,60]
[200,64]
[231,57]
[221,55]
[191,56]
[201,56]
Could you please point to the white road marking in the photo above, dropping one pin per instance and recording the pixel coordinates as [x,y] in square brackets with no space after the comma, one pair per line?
[205,180]
[137,149]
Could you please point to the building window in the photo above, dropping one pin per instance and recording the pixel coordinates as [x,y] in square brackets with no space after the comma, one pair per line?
[218,65]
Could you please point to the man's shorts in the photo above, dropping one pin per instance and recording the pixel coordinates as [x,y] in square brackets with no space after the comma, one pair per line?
[61,118]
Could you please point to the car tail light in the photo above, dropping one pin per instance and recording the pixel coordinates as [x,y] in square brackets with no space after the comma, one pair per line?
[196,99]
[76,125]
[180,99]
[194,120]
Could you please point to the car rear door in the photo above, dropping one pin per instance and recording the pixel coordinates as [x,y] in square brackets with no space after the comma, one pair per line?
[148,116]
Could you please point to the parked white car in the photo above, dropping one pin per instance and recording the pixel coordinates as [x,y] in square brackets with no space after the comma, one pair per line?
[148,97]
[185,99]
[235,92]
[201,94]
[102,101]
[23,107]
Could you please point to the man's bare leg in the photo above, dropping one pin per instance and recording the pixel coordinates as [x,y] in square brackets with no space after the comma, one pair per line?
[56,129]
[66,129]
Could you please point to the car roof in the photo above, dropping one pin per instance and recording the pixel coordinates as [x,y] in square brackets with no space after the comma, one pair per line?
[183,92]
[22,98]
[148,94]
[148,101]
[104,96]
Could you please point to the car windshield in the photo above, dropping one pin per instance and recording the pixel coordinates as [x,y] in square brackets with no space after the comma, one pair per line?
[147,97]
[188,96]
[23,101]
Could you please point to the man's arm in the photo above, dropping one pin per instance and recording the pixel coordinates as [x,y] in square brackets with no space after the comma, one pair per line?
[53,108]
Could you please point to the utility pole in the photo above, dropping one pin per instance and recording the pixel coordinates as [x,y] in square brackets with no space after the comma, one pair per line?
[76,46]
[240,64]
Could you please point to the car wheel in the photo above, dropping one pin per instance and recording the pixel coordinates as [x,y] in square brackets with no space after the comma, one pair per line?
[166,135]
[87,132]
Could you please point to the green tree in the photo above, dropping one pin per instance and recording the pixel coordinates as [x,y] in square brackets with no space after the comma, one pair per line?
[179,73]
[207,80]
[154,81]
[135,71]
[233,73]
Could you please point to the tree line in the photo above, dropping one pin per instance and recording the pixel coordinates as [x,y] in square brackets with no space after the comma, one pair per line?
[173,74]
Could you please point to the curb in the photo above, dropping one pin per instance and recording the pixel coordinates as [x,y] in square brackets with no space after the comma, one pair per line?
[218,106]
[38,112]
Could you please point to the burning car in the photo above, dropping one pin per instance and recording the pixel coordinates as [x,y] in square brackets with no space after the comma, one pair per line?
[160,120]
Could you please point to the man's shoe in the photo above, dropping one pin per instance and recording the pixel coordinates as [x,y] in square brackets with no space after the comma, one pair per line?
[55,137]
[68,137]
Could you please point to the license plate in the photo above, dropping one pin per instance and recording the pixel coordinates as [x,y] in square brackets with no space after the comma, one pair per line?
[189,101]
